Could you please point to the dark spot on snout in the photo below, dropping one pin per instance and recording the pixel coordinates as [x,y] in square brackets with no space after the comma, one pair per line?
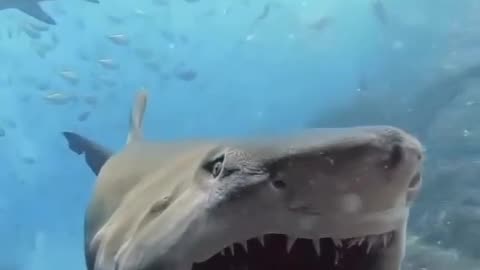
[395,157]
[415,181]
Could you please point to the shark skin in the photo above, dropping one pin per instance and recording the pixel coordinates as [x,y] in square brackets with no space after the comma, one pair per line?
[332,198]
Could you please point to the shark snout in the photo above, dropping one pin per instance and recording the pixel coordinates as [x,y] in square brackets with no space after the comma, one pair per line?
[402,150]
[359,169]
[405,156]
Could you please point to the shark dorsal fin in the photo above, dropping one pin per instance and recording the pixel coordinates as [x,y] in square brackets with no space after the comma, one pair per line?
[136,117]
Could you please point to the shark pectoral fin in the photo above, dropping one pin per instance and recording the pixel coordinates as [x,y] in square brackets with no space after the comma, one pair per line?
[136,117]
[95,154]
[33,9]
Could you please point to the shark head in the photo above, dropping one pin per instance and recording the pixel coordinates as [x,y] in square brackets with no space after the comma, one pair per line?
[317,199]
[324,198]
[314,201]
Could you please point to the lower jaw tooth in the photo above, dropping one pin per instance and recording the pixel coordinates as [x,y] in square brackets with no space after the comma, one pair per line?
[337,257]
[355,241]
[244,245]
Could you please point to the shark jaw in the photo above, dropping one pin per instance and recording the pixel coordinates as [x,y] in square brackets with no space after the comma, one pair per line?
[279,251]
[378,244]
[304,241]
[308,213]
[308,241]
[333,199]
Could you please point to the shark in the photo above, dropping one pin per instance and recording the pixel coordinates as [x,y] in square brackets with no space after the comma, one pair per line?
[321,198]
[32,8]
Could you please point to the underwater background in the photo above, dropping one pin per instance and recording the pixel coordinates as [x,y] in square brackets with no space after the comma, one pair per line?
[235,68]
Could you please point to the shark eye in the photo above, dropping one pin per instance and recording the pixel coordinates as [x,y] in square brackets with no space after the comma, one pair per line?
[279,184]
[217,169]
[215,166]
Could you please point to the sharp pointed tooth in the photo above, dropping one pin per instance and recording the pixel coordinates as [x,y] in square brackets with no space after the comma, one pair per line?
[385,240]
[244,245]
[290,242]
[360,241]
[370,243]
[337,257]
[352,243]
[316,245]
[261,239]
[337,242]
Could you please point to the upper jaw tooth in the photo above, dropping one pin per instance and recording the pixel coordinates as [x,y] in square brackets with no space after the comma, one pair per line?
[290,243]
[385,240]
[316,245]
[356,241]
[244,245]
[370,241]
[261,239]
[370,244]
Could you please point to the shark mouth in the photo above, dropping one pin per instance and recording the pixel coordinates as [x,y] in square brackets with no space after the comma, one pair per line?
[280,252]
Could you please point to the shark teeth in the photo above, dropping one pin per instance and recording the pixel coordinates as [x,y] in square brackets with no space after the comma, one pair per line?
[290,243]
[334,251]
[337,257]
[244,245]
[369,246]
[382,240]
[367,242]
[338,243]
[261,239]
[355,242]
[316,246]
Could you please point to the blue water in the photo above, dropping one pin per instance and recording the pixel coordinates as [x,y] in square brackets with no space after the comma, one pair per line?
[254,76]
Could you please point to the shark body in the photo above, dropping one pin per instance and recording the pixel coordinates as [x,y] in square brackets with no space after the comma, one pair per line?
[318,199]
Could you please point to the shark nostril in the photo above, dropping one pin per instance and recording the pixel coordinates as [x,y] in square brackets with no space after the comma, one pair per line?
[395,156]
[415,181]
[419,156]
